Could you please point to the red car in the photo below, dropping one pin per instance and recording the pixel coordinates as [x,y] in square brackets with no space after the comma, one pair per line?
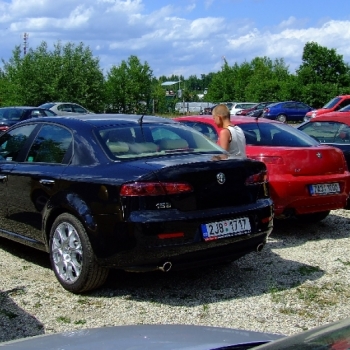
[335,104]
[258,107]
[307,179]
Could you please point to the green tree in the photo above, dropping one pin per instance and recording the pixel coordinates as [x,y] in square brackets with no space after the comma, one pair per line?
[323,74]
[268,80]
[128,87]
[68,73]
[221,87]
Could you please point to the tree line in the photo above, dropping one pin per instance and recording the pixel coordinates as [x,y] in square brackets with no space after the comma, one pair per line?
[71,73]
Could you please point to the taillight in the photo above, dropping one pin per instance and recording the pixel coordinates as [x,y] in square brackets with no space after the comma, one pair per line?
[154,188]
[269,159]
[258,178]
[3,127]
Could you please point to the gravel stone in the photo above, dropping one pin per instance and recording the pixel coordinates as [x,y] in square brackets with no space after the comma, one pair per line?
[300,280]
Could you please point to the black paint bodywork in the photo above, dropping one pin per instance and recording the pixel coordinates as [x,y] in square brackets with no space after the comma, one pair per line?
[123,231]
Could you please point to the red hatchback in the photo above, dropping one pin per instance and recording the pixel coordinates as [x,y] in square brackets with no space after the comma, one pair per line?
[307,179]
[335,104]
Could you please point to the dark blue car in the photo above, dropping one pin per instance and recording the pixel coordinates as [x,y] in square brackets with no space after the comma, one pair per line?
[287,111]
[12,115]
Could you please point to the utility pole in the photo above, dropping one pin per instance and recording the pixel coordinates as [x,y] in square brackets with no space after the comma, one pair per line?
[25,41]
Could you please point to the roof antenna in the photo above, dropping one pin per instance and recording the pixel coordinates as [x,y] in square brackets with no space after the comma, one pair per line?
[141,120]
[259,115]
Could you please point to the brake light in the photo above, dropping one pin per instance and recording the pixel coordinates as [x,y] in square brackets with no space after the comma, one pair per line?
[258,178]
[3,127]
[269,159]
[154,188]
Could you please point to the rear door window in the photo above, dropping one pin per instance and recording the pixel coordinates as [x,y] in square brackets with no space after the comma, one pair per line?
[50,145]
[12,143]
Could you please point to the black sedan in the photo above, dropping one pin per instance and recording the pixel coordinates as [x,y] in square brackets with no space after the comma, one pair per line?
[12,115]
[137,193]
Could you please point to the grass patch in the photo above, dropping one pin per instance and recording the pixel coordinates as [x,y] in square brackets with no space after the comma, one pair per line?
[63,319]
[80,322]
[345,263]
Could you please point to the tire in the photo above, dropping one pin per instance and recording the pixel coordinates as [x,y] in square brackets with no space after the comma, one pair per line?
[72,258]
[282,118]
[313,217]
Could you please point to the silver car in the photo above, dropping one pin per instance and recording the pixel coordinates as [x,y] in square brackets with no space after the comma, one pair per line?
[65,108]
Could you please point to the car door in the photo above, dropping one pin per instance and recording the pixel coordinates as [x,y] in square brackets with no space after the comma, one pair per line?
[301,109]
[35,178]
[12,145]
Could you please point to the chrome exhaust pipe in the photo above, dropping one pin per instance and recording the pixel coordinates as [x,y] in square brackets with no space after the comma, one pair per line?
[260,247]
[166,267]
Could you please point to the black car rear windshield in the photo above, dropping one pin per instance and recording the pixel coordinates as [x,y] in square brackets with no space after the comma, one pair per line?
[154,139]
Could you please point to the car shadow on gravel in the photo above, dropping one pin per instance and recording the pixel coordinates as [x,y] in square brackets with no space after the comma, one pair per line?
[253,275]
[13,318]
[27,253]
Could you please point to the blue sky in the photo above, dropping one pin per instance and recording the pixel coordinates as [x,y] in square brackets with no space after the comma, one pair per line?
[187,37]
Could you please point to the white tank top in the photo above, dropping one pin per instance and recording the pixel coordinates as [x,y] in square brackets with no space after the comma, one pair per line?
[237,143]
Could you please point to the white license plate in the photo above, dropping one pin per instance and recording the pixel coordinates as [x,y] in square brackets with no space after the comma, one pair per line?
[323,189]
[226,228]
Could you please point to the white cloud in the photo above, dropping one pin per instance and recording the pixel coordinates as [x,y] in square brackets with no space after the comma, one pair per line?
[169,37]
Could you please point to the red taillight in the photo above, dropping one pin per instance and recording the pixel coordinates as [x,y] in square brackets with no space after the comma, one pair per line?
[3,127]
[154,188]
[258,178]
[269,159]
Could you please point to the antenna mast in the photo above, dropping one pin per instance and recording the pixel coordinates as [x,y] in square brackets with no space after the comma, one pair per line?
[25,41]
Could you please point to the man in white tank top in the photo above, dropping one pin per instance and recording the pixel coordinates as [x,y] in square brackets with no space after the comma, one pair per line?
[231,137]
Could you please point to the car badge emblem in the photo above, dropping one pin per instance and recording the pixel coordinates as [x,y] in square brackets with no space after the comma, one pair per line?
[319,155]
[221,178]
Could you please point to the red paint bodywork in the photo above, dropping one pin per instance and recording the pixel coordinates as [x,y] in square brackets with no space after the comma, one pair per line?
[292,169]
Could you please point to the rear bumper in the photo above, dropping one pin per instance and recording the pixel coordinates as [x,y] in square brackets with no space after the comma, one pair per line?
[194,259]
[147,245]
[292,194]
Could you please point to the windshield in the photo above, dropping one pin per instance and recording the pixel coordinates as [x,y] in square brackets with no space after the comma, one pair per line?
[331,103]
[273,134]
[154,139]
[345,109]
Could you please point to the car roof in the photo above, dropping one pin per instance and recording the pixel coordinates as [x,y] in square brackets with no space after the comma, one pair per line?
[100,120]
[21,107]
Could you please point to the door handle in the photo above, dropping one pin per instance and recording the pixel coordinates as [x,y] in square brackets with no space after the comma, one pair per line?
[3,178]
[47,182]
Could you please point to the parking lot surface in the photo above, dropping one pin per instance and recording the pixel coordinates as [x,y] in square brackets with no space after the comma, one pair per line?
[300,280]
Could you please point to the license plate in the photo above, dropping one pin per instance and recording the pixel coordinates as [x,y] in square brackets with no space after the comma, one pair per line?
[226,228]
[323,189]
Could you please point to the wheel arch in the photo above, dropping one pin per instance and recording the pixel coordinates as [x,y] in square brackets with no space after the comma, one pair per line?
[70,203]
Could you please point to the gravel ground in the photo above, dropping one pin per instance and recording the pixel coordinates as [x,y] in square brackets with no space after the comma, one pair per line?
[299,281]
